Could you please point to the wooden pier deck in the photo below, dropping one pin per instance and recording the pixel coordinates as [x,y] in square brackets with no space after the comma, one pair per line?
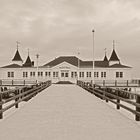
[67,112]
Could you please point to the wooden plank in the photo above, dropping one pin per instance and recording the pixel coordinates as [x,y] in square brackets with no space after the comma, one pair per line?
[103,95]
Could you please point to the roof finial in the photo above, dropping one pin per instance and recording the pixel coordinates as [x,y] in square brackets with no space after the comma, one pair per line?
[28,52]
[78,52]
[113,44]
[17,44]
[105,51]
[37,56]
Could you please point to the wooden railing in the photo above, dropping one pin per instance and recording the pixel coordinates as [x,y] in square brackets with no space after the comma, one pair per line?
[17,82]
[18,95]
[116,96]
[118,83]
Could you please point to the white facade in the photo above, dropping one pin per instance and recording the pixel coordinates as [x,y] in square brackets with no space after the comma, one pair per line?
[67,69]
[65,72]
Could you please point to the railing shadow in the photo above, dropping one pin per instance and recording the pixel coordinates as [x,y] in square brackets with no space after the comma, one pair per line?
[20,94]
[116,96]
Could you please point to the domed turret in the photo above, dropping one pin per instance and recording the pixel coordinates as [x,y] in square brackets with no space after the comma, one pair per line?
[105,58]
[114,58]
[28,62]
[17,58]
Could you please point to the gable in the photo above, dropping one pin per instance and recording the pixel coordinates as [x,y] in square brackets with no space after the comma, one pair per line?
[64,65]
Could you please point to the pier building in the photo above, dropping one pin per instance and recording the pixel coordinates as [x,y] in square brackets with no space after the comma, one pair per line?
[67,68]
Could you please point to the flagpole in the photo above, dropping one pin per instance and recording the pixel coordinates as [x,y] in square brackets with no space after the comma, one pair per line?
[93,80]
[78,65]
[37,68]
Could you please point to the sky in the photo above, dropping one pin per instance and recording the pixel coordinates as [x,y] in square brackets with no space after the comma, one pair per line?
[52,28]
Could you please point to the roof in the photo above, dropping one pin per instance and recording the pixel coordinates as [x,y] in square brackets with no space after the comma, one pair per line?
[69,59]
[119,66]
[74,61]
[105,58]
[96,64]
[12,66]
[28,62]
[17,56]
[114,56]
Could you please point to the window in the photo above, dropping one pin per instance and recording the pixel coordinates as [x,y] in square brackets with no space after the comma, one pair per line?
[119,74]
[48,74]
[62,74]
[73,74]
[10,74]
[40,73]
[96,74]
[103,74]
[66,74]
[81,74]
[88,74]
[25,74]
[55,74]
[32,74]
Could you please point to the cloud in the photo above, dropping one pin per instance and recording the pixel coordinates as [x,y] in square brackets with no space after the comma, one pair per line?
[55,27]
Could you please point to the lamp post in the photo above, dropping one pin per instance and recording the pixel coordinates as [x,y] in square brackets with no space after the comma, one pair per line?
[93,81]
[37,57]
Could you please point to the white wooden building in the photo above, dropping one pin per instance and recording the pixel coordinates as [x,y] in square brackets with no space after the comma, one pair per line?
[67,68]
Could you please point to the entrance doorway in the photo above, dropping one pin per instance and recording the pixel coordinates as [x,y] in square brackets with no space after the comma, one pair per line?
[64,75]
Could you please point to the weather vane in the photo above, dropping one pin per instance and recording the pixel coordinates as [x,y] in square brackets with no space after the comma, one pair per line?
[113,44]
[28,51]
[37,56]
[105,50]
[17,44]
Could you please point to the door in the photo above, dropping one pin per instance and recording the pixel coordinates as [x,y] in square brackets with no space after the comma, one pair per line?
[64,75]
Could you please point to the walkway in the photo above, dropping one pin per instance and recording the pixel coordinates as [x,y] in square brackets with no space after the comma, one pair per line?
[67,112]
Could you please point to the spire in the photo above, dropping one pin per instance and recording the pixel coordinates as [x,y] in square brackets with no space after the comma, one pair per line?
[114,56]
[105,58]
[17,56]
[28,62]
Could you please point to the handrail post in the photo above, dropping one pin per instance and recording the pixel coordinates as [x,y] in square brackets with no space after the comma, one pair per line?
[127,83]
[118,100]
[1,113]
[105,90]
[115,83]
[16,93]
[137,118]
[24,82]
[12,82]
[20,92]
[103,82]
[1,82]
